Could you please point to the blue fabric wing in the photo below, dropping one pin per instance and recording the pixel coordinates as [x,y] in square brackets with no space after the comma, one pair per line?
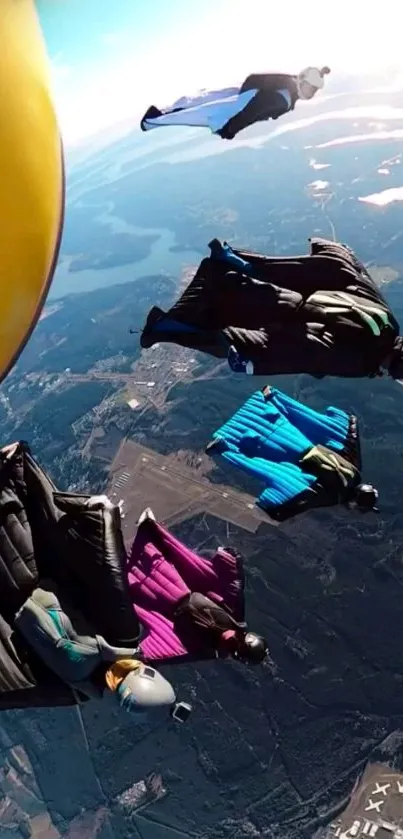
[267,437]
[290,483]
[284,481]
[262,442]
[328,429]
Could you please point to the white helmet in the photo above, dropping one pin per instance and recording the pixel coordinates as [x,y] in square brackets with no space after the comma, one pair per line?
[310,80]
[145,692]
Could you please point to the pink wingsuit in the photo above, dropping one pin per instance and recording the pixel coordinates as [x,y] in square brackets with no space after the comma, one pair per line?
[161,572]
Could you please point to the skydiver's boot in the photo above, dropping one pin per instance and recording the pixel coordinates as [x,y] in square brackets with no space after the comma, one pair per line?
[155,314]
[152,113]
[146,515]
[224,252]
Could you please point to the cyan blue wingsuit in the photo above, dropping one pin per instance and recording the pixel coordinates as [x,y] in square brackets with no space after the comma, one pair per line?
[304,458]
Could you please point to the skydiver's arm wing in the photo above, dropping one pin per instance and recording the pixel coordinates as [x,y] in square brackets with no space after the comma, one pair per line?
[264,105]
[256,467]
[159,642]
[203,97]
[181,329]
[228,564]
[280,348]
[297,348]
[284,481]
[247,345]
[268,81]
[293,493]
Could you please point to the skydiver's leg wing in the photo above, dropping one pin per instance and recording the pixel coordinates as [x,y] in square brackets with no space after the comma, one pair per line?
[210,113]
[286,485]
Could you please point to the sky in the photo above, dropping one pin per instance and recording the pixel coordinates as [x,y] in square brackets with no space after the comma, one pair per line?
[111,59]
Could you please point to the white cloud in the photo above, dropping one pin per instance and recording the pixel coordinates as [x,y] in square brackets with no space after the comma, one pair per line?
[382,199]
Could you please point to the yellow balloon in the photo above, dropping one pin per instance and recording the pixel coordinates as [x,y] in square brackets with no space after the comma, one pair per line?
[31,178]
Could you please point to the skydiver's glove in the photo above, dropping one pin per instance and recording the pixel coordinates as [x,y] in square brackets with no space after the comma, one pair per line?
[239,364]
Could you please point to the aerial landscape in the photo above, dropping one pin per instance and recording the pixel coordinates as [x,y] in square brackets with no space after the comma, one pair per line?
[309,746]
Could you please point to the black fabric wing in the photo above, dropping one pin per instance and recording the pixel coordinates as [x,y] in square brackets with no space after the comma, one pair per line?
[94,558]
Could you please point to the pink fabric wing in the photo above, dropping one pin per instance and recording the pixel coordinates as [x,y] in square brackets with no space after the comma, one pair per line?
[220,578]
[159,642]
[155,583]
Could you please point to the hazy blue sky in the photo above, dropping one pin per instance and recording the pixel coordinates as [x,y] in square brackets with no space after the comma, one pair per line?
[113,58]
[94,31]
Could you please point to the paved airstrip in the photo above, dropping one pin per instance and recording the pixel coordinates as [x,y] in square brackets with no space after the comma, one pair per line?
[142,477]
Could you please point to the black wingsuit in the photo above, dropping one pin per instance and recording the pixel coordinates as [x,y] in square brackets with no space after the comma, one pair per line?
[275,94]
[320,314]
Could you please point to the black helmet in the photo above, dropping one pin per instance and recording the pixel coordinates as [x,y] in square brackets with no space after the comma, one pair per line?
[364,498]
[252,649]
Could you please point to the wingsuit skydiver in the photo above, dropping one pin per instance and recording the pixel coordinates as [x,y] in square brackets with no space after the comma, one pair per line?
[228,111]
[305,458]
[320,314]
[62,559]
[191,607]
[202,626]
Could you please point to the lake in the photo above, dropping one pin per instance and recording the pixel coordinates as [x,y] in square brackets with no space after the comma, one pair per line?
[160,260]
